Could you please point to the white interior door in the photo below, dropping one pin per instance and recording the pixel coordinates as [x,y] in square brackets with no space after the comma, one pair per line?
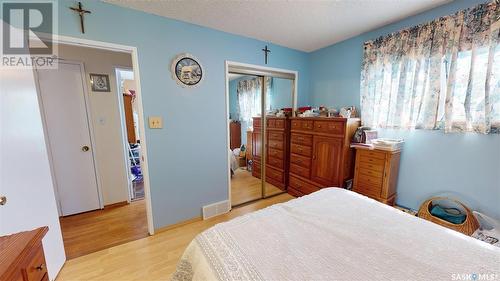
[25,178]
[67,124]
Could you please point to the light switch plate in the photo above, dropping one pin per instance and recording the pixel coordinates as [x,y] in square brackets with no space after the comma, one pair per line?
[155,122]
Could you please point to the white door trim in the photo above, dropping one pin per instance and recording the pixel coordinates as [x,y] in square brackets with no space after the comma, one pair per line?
[256,69]
[91,133]
[142,127]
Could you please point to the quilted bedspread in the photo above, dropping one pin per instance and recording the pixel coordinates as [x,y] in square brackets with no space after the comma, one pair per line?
[335,234]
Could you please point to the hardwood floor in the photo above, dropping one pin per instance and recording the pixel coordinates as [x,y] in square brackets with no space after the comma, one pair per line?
[93,231]
[245,187]
[151,258]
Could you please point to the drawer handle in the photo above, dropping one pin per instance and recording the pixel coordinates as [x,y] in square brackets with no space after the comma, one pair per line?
[40,267]
[319,126]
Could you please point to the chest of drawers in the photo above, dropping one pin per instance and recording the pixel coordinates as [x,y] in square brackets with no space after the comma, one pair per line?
[376,174]
[22,257]
[320,155]
[277,146]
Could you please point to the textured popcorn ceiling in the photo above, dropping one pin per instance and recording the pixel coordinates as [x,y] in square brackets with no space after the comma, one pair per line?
[303,25]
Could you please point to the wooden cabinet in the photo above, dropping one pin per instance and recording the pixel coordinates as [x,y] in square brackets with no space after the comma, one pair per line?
[277,147]
[22,257]
[320,155]
[326,160]
[376,174]
[129,118]
[234,134]
[249,150]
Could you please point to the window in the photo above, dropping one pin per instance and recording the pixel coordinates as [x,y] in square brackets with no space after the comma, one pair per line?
[444,74]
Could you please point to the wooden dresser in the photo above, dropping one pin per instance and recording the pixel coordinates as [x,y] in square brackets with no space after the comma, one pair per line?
[277,138]
[320,153]
[234,135]
[376,174]
[129,118]
[22,257]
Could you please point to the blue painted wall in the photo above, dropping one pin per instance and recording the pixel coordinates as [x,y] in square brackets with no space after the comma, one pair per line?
[233,99]
[467,165]
[188,157]
[281,93]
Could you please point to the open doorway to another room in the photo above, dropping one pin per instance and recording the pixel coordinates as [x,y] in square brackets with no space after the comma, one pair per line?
[130,118]
[94,152]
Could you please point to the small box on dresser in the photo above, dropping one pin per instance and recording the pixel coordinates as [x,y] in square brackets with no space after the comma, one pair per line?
[376,174]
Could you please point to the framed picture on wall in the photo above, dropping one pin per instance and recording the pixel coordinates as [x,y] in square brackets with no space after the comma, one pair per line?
[186,70]
[100,82]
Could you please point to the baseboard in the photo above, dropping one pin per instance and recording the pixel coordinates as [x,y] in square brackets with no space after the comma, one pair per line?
[175,225]
[117,204]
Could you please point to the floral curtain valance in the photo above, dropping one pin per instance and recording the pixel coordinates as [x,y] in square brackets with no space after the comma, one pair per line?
[444,74]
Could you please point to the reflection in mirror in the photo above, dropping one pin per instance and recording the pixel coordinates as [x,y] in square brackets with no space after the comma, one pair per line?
[245,106]
[279,103]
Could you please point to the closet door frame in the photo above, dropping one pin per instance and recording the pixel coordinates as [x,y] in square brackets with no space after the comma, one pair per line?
[262,71]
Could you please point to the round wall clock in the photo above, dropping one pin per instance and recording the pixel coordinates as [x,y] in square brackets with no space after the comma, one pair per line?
[187,70]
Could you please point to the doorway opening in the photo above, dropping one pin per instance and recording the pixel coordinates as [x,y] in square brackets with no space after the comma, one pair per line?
[129,114]
[259,101]
[98,173]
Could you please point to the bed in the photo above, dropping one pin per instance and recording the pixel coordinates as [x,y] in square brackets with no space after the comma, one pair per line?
[233,161]
[335,234]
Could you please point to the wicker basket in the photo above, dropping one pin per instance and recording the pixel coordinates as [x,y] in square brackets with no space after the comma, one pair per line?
[467,227]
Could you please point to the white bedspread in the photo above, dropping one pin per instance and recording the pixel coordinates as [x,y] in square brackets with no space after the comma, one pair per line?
[335,234]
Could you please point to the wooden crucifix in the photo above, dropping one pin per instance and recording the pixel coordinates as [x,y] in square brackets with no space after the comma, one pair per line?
[81,12]
[266,51]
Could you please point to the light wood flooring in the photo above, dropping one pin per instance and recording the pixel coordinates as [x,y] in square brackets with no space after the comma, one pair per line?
[245,187]
[151,258]
[96,230]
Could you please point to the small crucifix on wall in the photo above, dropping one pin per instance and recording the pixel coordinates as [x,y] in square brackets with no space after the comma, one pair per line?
[266,51]
[81,12]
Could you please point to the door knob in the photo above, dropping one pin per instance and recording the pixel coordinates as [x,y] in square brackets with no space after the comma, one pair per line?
[85,148]
[3,200]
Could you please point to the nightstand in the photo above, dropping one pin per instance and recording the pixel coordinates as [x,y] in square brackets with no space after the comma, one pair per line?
[376,174]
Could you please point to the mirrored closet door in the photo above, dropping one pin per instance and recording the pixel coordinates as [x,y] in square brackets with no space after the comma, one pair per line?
[259,133]
[278,109]
[245,113]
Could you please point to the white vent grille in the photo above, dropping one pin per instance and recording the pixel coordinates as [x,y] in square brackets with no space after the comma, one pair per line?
[215,209]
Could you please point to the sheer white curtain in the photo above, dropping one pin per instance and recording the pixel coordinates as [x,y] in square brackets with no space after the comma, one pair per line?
[443,74]
[249,98]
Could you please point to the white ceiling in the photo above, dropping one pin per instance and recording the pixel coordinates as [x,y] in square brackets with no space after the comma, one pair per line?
[298,24]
